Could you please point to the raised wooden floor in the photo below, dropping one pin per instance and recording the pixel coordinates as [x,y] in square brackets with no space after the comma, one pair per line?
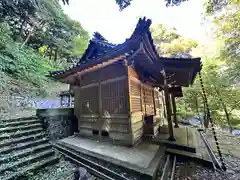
[188,144]
[186,139]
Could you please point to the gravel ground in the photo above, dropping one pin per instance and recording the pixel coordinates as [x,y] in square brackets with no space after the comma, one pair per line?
[63,170]
[229,145]
[192,171]
[120,170]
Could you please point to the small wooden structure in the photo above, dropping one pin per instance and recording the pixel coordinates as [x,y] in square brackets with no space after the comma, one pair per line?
[66,98]
[121,91]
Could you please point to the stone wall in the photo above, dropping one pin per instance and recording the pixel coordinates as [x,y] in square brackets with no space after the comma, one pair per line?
[59,122]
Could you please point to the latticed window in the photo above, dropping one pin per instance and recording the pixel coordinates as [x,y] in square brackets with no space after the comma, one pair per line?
[89,100]
[157,99]
[114,98]
[135,94]
[148,100]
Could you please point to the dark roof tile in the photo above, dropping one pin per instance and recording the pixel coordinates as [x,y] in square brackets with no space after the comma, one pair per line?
[99,47]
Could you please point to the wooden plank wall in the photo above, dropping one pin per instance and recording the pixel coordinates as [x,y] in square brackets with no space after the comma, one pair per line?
[103,103]
[136,108]
[144,100]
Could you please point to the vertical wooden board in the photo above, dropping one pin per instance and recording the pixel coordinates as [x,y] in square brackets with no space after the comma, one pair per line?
[192,138]
[77,102]
[141,97]
[114,98]
[181,136]
[132,73]
[89,100]
[148,100]
[129,96]
[104,124]
[135,96]
[116,69]
[99,99]
[90,77]
[154,102]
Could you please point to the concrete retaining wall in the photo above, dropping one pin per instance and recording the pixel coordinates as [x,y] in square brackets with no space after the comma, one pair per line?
[58,123]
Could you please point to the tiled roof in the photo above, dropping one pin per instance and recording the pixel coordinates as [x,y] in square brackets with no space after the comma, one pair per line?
[100,49]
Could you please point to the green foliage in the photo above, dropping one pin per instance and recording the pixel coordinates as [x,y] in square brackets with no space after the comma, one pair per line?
[36,37]
[169,43]
[25,64]
[43,23]
[220,92]
[178,46]
[125,3]
[79,44]
[220,71]
[161,34]
[228,32]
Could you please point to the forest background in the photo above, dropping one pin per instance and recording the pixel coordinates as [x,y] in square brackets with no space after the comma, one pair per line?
[36,37]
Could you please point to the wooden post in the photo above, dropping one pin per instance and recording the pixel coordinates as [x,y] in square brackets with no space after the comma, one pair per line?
[174,111]
[168,108]
[61,100]
[100,103]
[69,100]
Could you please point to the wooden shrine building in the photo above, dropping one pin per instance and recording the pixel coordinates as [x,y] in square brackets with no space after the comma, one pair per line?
[119,89]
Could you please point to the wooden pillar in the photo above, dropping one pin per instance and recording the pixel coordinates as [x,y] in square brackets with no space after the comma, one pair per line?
[100,104]
[61,100]
[174,111]
[168,108]
[70,100]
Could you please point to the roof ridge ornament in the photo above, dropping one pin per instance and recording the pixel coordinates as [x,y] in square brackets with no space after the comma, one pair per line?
[143,25]
[97,36]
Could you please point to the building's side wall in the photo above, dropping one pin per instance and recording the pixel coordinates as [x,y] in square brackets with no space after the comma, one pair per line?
[144,101]
[102,104]
[136,105]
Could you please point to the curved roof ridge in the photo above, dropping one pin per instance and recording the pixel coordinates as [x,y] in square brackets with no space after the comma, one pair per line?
[142,27]
[98,36]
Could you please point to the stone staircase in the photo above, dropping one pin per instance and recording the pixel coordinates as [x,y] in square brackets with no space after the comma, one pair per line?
[24,147]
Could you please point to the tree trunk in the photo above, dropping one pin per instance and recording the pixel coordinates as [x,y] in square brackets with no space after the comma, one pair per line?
[55,54]
[205,118]
[28,37]
[196,103]
[45,53]
[224,108]
[22,25]
[227,116]
[30,34]
[50,56]
[185,106]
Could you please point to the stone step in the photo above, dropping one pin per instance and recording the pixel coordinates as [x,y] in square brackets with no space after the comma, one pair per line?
[25,152]
[18,119]
[13,141]
[31,167]
[25,160]
[18,123]
[20,133]
[20,146]
[20,128]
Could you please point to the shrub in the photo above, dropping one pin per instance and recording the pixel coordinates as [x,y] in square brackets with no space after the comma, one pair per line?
[24,63]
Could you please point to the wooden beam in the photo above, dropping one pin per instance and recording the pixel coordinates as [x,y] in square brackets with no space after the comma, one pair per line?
[174,111]
[168,108]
